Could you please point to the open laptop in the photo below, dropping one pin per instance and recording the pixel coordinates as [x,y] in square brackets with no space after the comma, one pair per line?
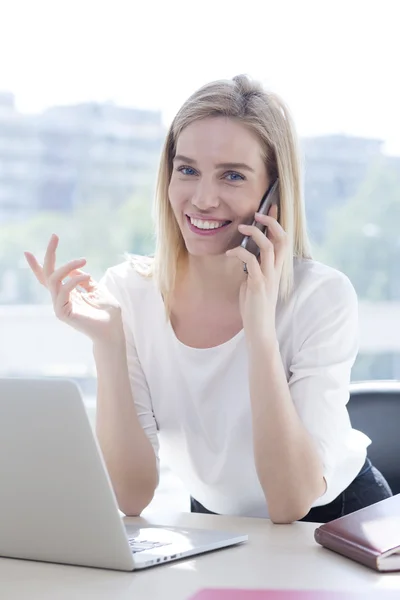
[56,499]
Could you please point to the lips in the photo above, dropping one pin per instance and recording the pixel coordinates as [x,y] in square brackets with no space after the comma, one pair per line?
[207,223]
[200,224]
[206,226]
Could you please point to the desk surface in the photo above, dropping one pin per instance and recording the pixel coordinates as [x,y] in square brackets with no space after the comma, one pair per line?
[276,556]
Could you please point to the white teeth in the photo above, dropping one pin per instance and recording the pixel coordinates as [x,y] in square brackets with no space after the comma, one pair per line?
[206,224]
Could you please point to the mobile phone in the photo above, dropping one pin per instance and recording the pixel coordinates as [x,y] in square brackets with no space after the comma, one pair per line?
[270,198]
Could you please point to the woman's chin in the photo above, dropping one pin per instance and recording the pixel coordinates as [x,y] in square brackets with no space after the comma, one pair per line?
[208,246]
[204,252]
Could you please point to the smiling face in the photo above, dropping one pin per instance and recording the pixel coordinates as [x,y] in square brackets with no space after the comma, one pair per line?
[218,179]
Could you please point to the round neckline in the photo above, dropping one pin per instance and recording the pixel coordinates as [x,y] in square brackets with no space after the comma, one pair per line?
[237,337]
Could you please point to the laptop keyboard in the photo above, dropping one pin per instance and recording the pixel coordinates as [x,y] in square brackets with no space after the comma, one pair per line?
[142,545]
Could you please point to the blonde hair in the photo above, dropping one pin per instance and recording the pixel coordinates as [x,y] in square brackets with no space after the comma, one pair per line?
[265,114]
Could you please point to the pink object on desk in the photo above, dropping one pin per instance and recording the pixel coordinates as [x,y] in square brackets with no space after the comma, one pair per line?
[228,594]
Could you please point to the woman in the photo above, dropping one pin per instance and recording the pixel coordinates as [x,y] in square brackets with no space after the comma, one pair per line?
[238,366]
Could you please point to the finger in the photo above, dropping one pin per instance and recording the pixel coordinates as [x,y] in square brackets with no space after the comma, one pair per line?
[35,267]
[49,262]
[73,282]
[251,262]
[276,234]
[55,279]
[63,298]
[267,252]
[275,230]
[88,285]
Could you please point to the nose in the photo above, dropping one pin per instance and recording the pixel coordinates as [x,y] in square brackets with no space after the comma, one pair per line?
[205,196]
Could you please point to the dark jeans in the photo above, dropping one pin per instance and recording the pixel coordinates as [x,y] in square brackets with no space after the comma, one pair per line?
[367,488]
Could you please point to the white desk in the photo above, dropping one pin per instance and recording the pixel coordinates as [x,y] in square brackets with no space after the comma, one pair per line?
[276,556]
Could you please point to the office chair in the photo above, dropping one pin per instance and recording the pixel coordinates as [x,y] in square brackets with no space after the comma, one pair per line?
[374,409]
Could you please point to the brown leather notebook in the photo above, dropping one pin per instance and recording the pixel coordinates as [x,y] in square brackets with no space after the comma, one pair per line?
[370,536]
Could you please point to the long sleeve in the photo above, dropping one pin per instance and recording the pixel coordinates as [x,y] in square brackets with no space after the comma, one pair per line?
[325,348]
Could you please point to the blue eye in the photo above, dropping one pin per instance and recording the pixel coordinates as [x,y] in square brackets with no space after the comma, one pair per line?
[186,170]
[233,176]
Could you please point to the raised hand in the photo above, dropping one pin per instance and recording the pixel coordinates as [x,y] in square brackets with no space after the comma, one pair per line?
[77,299]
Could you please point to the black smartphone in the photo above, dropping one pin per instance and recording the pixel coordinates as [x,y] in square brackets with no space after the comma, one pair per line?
[270,198]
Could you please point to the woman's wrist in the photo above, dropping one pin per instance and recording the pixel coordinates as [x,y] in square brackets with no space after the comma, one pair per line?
[111,348]
[262,341]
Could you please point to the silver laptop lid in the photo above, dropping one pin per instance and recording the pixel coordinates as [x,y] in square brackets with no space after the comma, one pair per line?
[56,499]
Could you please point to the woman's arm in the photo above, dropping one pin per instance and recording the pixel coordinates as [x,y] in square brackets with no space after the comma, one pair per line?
[299,426]
[125,423]
[286,458]
[127,451]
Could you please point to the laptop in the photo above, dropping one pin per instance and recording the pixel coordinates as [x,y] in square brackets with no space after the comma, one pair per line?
[56,500]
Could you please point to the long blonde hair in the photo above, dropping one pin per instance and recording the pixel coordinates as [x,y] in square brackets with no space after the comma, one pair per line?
[265,114]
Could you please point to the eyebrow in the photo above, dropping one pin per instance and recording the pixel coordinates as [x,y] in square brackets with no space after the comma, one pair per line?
[227,165]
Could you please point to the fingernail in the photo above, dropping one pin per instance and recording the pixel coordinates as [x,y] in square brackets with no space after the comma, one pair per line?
[242,226]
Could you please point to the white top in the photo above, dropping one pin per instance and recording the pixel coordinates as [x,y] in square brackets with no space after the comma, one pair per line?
[195,403]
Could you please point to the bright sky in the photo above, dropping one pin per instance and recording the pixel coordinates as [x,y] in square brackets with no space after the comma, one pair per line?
[336,62]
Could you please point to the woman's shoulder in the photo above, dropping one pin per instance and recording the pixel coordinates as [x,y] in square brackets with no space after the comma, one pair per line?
[131,278]
[317,281]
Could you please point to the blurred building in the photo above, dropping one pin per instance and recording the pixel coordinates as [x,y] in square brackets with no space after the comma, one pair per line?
[20,160]
[335,167]
[70,155]
[91,152]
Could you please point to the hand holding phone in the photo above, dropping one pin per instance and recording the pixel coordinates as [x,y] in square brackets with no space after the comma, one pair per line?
[270,198]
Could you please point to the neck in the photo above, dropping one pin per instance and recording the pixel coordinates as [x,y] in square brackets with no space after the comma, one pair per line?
[217,277]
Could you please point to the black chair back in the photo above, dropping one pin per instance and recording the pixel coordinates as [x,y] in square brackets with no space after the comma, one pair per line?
[374,409]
